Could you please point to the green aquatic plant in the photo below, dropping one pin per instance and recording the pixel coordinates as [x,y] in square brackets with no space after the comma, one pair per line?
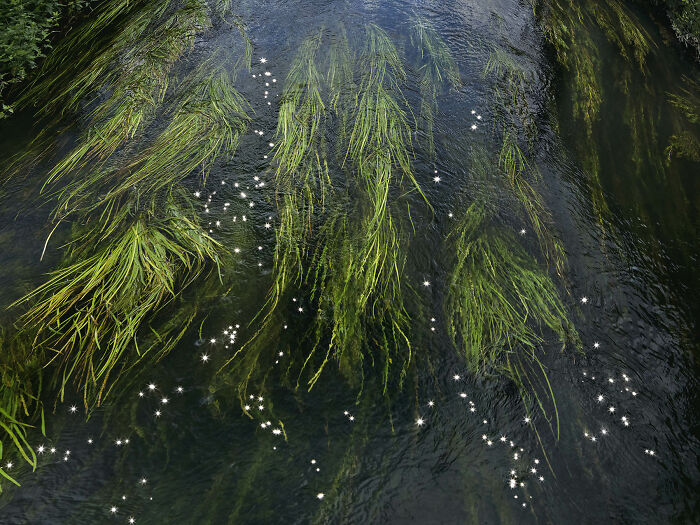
[579,32]
[133,68]
[137,242]
[622,29]
[511,91]
[86,318]
[688,99]
[138,87]
[301,172]
[208,123]
[341,84]
[567,26]
[436,66]
[350,255]
[685,143]
[360,279]
[358,291]
[380,141]
[20,390]
[148,33]
[521,175]
[497,301]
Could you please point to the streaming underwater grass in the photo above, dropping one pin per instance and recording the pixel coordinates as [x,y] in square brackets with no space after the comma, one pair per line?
[341,84]
[359,268]
[520,176]
[367,291]
[350,255]
[118,274]
[578,34]
[20,388]
[137,242]
[138,87]
[567,27]
[132,242]
[685,143]
[511,92]
[497,300]
[301,173]
[134,67]
[435,62]
[688,100]
[208,122]
[149,34]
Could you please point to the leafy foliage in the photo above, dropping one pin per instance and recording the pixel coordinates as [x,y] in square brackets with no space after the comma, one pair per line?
[26,27]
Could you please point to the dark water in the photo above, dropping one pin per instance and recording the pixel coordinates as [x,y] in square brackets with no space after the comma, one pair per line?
[633,256]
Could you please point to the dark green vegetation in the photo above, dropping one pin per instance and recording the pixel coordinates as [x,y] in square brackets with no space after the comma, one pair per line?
[136,241]
[21,383]
[347,192]
[498,299]
[117,276]
[26,28]
[580,36]
[685,20]
[355,266]
[686,142]
[568,27]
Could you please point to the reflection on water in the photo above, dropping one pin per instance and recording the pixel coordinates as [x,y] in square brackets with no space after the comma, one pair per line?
[226,428]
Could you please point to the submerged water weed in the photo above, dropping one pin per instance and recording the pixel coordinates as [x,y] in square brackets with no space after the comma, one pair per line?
[208,123]
[520,176]
[137,241]
[118,275]
[511,92]
[152,254]
[685,143]
[138,87]
[20,388]
[572,29]
[302,186]
[134,68]
[354,266]
[437,66]
[567,27]
[363,285]
[150,34]
[688,99]
[510,99]
[341,85]
[301,173]
[360,315]
[497,300]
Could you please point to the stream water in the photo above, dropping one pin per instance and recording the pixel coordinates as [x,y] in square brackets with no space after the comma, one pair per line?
[629,229]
